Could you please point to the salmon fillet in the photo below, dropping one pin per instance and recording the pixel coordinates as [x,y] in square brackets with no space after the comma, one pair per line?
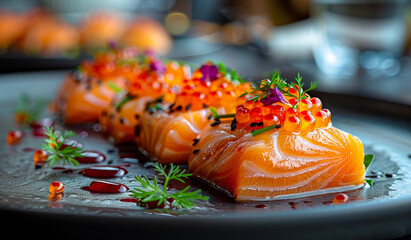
[278,163]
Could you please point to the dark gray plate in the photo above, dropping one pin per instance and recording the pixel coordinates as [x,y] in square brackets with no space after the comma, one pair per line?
[379,212]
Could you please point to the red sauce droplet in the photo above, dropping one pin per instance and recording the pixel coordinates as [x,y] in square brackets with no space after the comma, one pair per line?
[104,171]
[261,206]
[131,200]
[106,187]
[38,127]
[91,157]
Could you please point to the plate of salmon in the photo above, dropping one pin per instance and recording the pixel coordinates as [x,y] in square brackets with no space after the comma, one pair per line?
[128,139]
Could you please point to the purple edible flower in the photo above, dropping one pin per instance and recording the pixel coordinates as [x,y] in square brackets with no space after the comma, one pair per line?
[273,96]
[157,66]
[209,72]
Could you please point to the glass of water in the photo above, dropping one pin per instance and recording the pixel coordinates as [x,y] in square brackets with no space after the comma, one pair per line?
[359,36]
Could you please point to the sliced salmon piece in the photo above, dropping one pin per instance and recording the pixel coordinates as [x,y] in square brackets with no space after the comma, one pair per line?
[169,137]
[83,101]
[278,163]
[120,123]
[120,119]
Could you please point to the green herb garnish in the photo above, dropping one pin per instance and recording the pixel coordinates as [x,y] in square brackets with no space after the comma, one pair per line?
[264,87]
[262,130]
[368,158]
[218,116]
[153,192]
[55,145]
[114,87]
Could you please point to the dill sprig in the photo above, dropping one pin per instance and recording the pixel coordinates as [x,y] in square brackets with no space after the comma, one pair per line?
[153,192]
[57,148]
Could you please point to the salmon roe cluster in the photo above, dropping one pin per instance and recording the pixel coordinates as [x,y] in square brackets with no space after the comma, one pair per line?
[307,115]
[208,87]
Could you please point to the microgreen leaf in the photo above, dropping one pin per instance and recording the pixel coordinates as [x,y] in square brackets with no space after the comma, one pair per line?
[152,192]
[369,181]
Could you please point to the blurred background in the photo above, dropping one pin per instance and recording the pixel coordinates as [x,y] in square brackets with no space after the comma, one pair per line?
[356,47]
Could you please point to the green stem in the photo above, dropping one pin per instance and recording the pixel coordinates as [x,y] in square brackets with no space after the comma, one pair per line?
[224,116]
[262,130]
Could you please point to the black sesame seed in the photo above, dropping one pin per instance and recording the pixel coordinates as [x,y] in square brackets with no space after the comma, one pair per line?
[188,107]
[277,126]
[389,175]
[210,117]
[196,151]
[205,105]
[196,140]
[171,106]
[233,127]
[137,130]
[137,116]
[260,124]
[215,123]
[151,110]
[122,120]
[253,124]
[179,107]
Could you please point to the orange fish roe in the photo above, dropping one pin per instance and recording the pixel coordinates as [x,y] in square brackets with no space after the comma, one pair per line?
[40,156]
[267,106]
[56,187]
[207,88]
[14,137]
[341,199]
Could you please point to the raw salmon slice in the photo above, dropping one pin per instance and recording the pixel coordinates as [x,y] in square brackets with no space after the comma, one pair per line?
[120,118]
[280,143]
[87,90]
[83,101]
[278,163]
[168,138]
[167,134]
